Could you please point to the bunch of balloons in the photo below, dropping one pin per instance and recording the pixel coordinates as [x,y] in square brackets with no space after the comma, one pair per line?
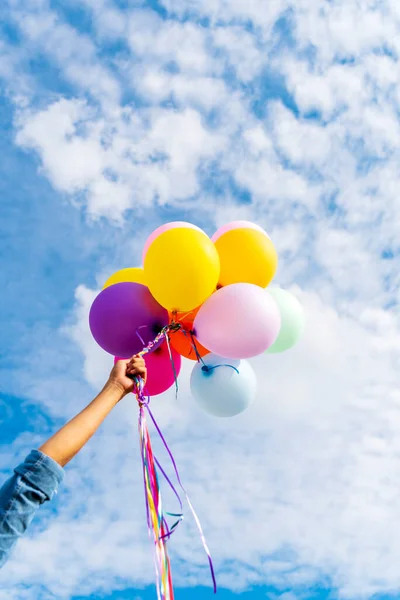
[211,298]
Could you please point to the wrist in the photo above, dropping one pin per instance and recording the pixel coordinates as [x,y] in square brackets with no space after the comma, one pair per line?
[116,389]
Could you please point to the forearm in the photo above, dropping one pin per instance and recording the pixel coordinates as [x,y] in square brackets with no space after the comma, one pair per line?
[67,442]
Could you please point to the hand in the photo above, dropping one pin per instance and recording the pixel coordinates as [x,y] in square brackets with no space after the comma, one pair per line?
[123,368]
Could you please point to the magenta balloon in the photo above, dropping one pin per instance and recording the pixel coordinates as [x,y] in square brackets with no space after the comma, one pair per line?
[161,229]
[238,321]
[236,225]
[125,317]
[160,374]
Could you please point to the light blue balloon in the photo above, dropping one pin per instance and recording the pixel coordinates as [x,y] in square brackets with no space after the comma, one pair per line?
[224,387]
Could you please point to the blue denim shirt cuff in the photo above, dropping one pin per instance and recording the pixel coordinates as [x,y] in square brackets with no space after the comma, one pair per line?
[41,471]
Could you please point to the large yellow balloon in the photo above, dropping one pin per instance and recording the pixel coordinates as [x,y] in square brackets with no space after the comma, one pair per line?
[247,256]
[182,268]
[133,274]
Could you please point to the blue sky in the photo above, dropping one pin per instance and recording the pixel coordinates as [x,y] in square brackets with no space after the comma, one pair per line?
[116,117]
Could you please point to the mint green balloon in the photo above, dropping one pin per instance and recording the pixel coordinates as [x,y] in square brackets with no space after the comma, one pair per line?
[292,320]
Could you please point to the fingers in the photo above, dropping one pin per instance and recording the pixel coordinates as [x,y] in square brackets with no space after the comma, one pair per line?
[136,363]
[137,366]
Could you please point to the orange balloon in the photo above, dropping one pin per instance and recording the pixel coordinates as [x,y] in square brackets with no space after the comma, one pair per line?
[183,345]
[181,340]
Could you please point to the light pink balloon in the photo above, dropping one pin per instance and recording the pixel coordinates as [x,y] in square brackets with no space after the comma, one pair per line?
[236,225]
[238,321]
[162,229]
[160,374]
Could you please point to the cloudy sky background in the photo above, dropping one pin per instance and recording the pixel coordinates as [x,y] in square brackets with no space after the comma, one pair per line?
[117,116]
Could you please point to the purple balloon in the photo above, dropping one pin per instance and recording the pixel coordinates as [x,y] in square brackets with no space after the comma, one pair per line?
[125,317]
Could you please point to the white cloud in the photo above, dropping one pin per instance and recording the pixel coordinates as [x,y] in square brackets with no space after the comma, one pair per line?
[74,53]
[268,181]
[72,161]
[301,142]
[231,11]
[344,30]
[240,51]
[110,22]
[347,261]
[159,161]
[158,86]
[153,39]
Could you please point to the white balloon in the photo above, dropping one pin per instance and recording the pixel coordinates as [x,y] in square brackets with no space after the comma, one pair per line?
[224,387]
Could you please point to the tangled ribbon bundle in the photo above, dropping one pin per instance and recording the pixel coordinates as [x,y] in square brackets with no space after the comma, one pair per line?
[159,531]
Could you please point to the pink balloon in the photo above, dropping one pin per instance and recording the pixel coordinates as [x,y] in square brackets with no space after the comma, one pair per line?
[162,229]
[238,321]
[160,374]
[236,225]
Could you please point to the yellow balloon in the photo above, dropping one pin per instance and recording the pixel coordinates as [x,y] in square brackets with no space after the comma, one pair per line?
[134,274]
[182,268]
[246,256]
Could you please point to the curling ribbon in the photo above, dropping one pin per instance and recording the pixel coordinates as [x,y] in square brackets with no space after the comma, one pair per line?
[158,529]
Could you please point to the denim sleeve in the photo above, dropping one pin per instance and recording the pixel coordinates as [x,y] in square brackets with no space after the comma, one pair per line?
[34,481]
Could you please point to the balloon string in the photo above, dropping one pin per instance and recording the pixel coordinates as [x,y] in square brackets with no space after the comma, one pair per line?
[186,333]
[197,521]
[142,438]
[159,337]
[192,342]
[153,495]
[200,359]
[157,526]
[181,319]
[206,368]
[171,358]
[171,486]
[198,355]
[163,334]
[139,336]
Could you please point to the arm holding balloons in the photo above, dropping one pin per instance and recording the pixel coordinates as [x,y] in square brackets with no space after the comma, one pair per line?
[67,442]
[37,478]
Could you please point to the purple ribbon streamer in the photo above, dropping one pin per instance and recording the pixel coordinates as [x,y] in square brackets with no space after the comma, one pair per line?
[142,442]
[169,483]
[145,402]
[187,499]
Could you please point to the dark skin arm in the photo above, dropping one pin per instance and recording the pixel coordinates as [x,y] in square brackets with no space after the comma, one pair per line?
[71,438]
